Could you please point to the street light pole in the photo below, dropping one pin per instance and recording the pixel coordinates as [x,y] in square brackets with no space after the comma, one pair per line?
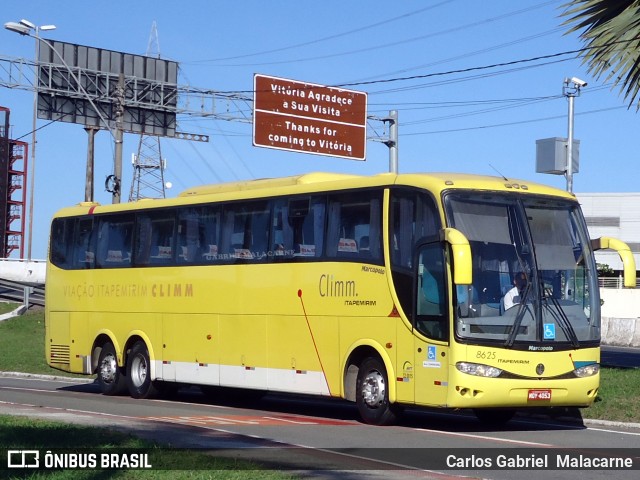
[26,24]
[25,27]
[571,89]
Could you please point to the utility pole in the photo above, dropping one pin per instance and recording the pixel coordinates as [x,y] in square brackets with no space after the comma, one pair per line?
[392,142]
[88,184]
[117,163]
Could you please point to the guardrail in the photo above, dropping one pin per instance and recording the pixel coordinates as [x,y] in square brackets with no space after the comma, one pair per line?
[27,294]
[614,282]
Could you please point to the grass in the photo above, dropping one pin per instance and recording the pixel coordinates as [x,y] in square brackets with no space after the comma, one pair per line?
[6,307]
[20,432]
[22,344]
[618,397]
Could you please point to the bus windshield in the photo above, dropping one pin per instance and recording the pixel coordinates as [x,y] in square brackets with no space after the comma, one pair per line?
[534,277]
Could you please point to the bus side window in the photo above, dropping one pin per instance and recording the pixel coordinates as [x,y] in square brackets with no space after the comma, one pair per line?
[84,244]
[431,304]
[143,240]
[306,220]
[188,235]
[282,229]
[355,218]
[198,234]
[162,239]
[245,232]
[258,228]
[62,242]
[413,216]
[155,243]
[115,234]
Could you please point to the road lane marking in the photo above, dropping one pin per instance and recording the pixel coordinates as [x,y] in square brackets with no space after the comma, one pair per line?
[249,420]
[485,437]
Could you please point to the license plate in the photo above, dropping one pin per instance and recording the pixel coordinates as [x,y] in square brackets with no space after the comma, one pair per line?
[539,395]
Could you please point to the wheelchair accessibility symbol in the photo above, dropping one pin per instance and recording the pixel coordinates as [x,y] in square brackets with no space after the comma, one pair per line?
[431,361]
[549,331]
[431,353]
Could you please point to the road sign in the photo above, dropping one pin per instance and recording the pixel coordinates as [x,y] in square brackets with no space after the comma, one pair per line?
[309,118]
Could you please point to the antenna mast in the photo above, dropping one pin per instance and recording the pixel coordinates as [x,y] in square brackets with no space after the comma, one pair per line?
[148,164]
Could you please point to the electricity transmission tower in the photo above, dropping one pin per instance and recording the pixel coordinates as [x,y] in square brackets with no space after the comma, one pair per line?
[148,164]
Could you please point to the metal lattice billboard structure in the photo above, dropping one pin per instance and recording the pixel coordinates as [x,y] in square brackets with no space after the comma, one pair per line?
[79,84]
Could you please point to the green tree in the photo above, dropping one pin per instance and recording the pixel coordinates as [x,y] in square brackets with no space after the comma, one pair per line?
[611,32]
[605,270]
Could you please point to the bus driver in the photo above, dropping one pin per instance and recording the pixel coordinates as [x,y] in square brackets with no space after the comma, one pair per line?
[512,297]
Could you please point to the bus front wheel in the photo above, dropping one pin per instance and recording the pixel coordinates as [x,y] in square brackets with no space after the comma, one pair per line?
[110,376]
[372,394]
[139,380]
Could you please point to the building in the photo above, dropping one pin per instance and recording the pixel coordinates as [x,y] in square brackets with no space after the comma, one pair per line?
[613,215]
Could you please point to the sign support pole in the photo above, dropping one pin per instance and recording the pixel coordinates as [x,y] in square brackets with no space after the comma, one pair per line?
[88,185]
[117,167]
[392,142]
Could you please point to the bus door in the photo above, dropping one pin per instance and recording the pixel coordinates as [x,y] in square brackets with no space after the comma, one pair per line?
[431,325]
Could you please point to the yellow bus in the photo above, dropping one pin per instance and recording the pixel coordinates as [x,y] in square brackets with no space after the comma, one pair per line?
[437,290]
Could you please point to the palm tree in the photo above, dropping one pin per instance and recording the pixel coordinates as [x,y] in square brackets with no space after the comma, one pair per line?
[611,32]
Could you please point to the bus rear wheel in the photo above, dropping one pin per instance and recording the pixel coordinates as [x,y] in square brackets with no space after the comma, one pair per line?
[372,394]
[110,376]
[139,380]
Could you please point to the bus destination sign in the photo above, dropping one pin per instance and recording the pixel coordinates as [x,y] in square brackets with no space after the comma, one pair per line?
[309,118]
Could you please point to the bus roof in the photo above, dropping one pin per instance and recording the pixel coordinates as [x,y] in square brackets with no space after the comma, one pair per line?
[323,181]
[305,179]
[434,181]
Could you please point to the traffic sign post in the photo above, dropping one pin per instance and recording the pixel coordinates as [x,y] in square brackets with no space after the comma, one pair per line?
[309,118]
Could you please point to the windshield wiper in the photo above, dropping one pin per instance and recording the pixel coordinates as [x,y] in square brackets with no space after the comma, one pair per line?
[561,318]
[522,308]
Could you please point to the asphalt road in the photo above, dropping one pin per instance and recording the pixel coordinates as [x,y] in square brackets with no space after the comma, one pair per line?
[322,435]
[621,357]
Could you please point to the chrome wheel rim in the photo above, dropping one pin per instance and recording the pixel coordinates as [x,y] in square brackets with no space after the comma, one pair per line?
[373,389]
[138,370]
[108,369]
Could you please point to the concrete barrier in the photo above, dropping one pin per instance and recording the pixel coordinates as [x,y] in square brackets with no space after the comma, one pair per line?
[621,317]
[17,270]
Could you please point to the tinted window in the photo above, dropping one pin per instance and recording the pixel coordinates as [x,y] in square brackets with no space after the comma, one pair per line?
[155,240]
[198,234]
[354,226]
[245,231]
[84,248]
[115,239]
[62,242]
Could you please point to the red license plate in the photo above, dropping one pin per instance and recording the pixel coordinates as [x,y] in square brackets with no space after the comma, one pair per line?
[539,395]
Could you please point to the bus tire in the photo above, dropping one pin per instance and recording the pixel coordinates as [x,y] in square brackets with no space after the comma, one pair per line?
[372,394]
[139,373]
[110,376]
[494,416]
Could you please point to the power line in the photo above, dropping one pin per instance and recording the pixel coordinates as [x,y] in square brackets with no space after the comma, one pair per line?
[395,43]
[506,124]
[466,55]
[330,37]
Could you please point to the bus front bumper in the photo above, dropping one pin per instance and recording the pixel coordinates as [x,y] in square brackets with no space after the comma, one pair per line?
[469,391]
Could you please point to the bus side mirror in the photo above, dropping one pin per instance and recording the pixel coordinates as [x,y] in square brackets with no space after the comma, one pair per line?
[462,265]
[628,262]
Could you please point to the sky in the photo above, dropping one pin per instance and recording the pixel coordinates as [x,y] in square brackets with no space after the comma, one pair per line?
[475,85]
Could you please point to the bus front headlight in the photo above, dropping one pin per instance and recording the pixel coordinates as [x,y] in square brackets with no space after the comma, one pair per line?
[478,369]
[587,370]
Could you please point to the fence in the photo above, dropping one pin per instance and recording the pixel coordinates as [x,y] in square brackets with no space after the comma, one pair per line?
[614,282]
